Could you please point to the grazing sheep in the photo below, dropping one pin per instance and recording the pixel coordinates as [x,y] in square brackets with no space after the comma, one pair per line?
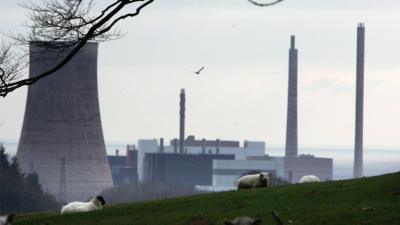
[243,221]
[6,220]
[309,179]
[94,204]
[254,181]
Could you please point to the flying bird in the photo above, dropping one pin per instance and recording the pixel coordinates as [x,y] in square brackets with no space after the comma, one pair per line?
[265,4]
[198,72]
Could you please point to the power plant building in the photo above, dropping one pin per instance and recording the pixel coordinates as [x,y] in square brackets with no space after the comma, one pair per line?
[202,166]
[180,169]
[124,167]
[202,146]
[62,138]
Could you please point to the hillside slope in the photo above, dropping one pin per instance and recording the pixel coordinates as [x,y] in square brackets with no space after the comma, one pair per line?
[374,200]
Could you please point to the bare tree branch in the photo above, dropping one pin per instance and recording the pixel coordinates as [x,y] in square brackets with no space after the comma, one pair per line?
[67,23]
[265,4]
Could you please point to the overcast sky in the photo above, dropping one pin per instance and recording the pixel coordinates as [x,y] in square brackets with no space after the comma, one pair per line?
[242,92]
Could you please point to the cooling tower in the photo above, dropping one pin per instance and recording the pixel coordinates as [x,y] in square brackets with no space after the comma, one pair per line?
[62,138]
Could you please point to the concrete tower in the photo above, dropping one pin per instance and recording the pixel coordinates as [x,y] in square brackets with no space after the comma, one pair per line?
[291,123]
[358,147]
[62,138]
[182,121]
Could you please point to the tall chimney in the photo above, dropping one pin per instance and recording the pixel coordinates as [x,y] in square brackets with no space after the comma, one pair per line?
[358,146]
[203,146]
[182,121]
[161,145]
[217,146]
[291,123]
[129,155]
[175,143]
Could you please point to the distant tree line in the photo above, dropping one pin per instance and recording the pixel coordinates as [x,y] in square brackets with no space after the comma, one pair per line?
[20,192]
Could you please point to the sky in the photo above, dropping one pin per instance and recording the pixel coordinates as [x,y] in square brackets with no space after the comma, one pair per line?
[242,92]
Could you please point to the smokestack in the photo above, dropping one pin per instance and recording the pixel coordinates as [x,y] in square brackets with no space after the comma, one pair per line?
[203,146]
[182,121]
[218,145]
[129,155]
[358,146]
[161,145]
[175,143]
[291,123]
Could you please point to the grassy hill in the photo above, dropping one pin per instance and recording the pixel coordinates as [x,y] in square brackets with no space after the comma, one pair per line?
[374,200]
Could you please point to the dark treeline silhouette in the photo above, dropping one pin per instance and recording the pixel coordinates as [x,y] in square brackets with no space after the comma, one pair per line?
[138,192]
[20,192]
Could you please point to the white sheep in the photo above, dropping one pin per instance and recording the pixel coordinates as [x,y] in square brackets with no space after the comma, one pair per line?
[309,179]
[6,220]
[254,181]
[95,203]
[243,221]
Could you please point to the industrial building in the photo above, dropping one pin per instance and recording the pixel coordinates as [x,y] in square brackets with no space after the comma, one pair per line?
[203,146]
[217,164]
[202,166]
[296,167]
[124,167]
[180,169]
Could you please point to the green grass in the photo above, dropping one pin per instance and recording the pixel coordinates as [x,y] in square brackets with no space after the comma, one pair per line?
[374,200]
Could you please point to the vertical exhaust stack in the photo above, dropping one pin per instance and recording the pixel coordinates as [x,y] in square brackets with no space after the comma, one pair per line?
[129,155]
[182,121]
[358,145]
[62,137]
[175,143]
[291,123]
[203,146]
[217,146]
[161,145]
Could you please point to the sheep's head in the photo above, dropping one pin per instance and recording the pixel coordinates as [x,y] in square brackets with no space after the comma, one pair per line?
[264,177]
[101,199]
[98,200]
[243,221]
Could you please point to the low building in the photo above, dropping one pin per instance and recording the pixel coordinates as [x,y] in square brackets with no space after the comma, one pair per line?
[296,167]
[124,167]
[200,146]
[159,163]
[226,172]
[180,169]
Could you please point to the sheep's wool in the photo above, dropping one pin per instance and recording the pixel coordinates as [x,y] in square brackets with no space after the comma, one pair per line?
[94,204]
[309,179]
